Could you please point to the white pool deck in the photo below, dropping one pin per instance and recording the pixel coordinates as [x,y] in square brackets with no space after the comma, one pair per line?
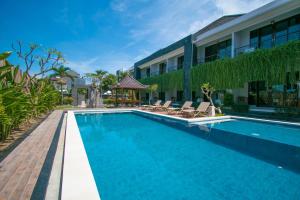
[78,182]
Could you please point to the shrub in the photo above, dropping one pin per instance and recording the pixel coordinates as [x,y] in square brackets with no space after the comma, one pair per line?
[240,107]
[68,100]
[109,101]
[228,99]
[288,111]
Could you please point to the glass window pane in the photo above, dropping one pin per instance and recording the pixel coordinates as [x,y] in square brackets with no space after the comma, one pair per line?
[254,39]
[266,37]
[281,29]
[294,28]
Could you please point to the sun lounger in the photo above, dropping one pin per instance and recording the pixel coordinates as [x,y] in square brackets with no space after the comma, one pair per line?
[186,105]
[200,111]
[146,107]
[163,107]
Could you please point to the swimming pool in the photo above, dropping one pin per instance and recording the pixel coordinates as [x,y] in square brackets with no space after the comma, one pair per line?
[269,131]
[136,157]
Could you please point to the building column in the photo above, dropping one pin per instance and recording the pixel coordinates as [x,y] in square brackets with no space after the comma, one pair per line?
[187,65]
[233,37]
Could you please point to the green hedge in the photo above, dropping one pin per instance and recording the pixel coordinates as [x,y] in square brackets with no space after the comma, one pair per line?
[270,65]
[228,99]
[240,107]
[167,81]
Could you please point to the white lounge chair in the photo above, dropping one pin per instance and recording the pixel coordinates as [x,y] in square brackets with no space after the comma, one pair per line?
[202,110]
[186,105]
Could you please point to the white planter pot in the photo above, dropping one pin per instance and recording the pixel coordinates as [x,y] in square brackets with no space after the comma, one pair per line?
[211,111]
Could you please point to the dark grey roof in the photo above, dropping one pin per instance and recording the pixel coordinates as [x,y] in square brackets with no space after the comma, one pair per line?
[216,23]
[165,50]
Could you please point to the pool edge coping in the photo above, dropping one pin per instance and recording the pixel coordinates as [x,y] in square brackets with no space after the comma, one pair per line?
[186,120]
[78,181]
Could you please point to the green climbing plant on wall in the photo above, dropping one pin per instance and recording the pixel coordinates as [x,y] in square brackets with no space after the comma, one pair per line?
[167,81]
[270,65]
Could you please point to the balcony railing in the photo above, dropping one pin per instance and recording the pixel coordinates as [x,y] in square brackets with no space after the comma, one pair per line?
[268,43]
[156,73]
[213,57]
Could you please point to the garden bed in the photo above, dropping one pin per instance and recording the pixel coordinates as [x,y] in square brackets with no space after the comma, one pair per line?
[18,135]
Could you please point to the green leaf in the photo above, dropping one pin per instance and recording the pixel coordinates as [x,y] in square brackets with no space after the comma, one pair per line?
[5,55]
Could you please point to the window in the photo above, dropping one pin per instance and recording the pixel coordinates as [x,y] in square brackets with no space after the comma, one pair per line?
[254,39]
[162,68]
[266,37]
[147,96]
[281,34]
[219,50]
[294,28]
[276,34]
[224,49]
[211,53]
[180,62]
[148,72]
[179,95]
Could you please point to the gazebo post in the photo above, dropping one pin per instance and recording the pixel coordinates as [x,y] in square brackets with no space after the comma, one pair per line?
[139,91]
[116,97]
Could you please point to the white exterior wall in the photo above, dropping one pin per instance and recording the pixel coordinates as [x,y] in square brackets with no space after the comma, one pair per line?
[239,92]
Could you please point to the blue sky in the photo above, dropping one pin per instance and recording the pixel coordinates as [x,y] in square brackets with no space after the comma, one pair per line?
[109,35]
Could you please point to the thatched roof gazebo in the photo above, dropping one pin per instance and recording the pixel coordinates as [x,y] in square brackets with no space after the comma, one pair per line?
[132,87]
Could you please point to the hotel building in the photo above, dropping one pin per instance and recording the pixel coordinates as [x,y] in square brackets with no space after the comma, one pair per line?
[237,54]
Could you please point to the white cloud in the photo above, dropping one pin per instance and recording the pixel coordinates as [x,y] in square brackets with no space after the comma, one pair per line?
[239,6]
[168,21]
[151,25]
[118,5]
[110,63]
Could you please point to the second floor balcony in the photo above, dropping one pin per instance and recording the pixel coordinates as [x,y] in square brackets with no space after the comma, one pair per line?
[271,42]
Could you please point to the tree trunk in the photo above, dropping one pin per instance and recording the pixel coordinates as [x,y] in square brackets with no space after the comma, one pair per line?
[62,94]
[150,97]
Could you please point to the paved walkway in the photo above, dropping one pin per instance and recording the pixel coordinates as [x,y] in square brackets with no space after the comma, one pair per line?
[20,170]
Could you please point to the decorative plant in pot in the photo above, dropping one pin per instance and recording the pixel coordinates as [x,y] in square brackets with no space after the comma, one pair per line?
[208,90]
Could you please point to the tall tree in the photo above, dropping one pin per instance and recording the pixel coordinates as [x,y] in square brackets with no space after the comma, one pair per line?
[62,72]
[122,74]
[109,81]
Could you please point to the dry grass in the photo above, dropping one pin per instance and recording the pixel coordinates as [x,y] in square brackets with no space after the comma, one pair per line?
[21,132]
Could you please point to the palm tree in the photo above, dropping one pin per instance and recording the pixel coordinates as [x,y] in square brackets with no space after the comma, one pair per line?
[122,74]
[62,72]
[108,81]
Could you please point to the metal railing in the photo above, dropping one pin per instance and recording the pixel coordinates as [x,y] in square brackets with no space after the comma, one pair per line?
[277,40]
[213,57]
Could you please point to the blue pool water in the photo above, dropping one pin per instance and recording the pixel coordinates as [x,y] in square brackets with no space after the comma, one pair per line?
[269,131]
[133,158]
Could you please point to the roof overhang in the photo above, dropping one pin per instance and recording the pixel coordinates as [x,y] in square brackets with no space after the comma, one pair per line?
[260,15]
[162,58]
